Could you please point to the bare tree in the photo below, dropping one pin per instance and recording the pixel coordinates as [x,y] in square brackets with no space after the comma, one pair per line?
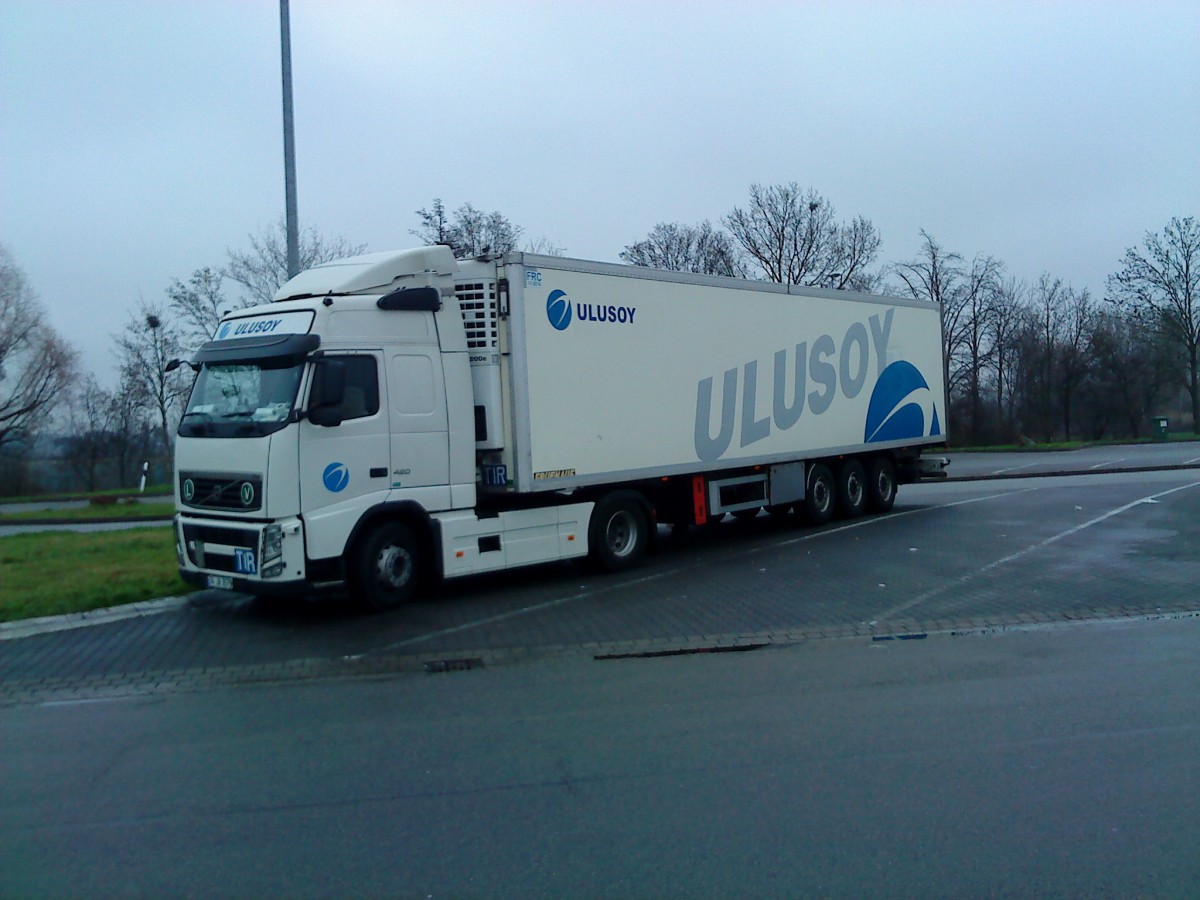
[132,427]
[89,440]
[1132,367]
[469,232]
[263,269]
[144,348]
[1074,355]
[36,365]
[199,304]
[794,238]
[687,248]
[545,247]
[935,275]
[1041,345]
[1160,286]
[1004,328]
[980,290]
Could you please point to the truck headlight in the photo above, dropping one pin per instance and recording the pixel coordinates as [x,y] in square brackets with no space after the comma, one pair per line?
[272,544]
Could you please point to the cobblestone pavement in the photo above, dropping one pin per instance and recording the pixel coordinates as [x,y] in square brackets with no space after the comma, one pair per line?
[950,557]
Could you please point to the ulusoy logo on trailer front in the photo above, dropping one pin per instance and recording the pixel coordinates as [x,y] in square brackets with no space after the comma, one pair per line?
[561,312]
[901,406]
[335,477]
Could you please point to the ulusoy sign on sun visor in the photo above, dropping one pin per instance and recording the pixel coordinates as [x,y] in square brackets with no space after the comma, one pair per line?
[295,322]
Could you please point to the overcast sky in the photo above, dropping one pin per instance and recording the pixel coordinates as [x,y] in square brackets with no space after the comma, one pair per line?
[141,140]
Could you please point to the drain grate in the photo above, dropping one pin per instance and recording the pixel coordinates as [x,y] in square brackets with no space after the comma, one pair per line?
[685,651]
[436,666]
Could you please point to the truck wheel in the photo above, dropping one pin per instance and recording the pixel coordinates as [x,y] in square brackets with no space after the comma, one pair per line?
[385,568]
[851,489]
[819,497]
[619,531]
[881,485]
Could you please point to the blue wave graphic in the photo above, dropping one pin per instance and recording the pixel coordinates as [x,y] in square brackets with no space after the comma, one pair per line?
[889,418]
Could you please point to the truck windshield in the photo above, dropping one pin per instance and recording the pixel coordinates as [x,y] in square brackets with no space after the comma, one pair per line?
[242,399]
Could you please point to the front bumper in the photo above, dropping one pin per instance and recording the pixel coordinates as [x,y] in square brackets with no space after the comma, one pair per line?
[252,557]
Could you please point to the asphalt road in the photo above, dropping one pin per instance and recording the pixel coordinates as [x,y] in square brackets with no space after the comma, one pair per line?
[1087,459]
[991,691]
[951,556]
[1062,761]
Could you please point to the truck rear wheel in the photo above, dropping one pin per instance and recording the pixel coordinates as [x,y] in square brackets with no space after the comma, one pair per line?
[881,485]
[851,489]
[619,531]
[819,496]
[385,567]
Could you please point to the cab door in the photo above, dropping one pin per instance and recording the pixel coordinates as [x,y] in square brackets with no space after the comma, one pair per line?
[345,468]
[420,435]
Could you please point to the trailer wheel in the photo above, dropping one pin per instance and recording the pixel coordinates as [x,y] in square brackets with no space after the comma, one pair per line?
[881,485]
[851,489]
[385,568]
[819,497]
[619,531]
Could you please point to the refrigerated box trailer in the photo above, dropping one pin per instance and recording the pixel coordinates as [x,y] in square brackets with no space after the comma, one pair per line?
[395,417]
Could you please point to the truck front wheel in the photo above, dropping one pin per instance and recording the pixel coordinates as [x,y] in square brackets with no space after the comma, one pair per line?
[619,532]
[385,567]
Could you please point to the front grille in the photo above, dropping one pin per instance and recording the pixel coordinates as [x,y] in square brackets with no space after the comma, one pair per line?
[201,490]
[214,534]
[210,546]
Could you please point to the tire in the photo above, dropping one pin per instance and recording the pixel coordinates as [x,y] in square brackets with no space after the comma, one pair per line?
[619,532]
[819,496]
[386,568]
[881,485]
[851,489]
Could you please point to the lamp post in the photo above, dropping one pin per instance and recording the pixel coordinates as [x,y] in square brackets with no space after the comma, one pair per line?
[289,143]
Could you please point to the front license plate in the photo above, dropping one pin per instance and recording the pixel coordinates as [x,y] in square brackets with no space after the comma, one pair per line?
[220,582]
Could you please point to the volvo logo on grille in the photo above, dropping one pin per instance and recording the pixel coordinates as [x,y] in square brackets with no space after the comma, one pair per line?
[189,490]
[247,493]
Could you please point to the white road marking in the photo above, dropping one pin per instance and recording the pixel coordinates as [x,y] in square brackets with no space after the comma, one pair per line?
[1014,468]
[959,582]
[1111,462]
[655,576]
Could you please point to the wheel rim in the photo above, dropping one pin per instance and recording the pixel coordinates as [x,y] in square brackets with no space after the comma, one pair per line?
[854,489]
[821,495]
[621,534]
[393,567]
[883,486]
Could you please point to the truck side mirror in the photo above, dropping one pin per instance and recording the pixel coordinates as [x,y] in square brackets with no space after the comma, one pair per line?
[328,392]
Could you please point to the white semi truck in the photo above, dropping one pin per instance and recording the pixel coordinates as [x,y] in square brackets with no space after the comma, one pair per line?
[397,417]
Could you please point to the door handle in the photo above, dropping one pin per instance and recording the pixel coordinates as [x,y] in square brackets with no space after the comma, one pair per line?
[380,472]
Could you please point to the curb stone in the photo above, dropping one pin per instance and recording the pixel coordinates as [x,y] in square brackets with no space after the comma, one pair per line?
[46,624]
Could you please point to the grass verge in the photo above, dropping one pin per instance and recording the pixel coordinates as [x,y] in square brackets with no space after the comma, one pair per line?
[50,573]
[133,510]
[115,494]
[1067,445]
